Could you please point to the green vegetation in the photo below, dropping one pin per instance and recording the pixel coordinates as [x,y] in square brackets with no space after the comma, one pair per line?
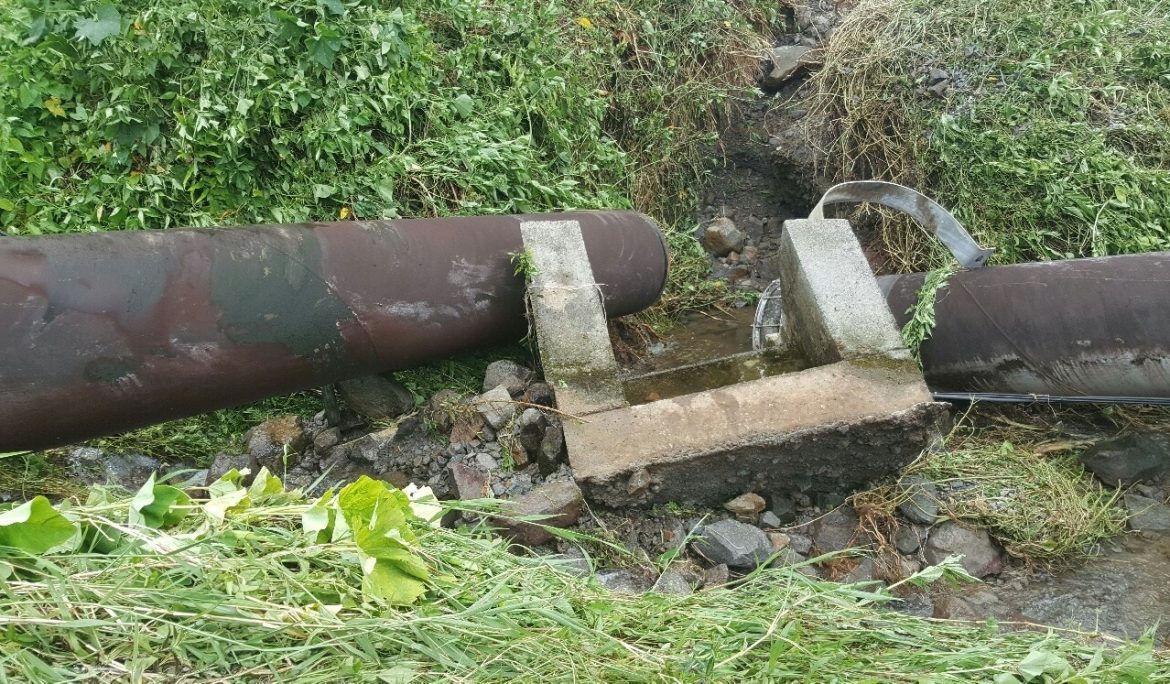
[253,585]
[1051,141]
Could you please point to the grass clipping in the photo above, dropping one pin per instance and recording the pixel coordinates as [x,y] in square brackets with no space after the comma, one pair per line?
[244,593]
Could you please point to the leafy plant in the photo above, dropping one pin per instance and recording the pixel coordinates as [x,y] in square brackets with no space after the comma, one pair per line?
[922,320]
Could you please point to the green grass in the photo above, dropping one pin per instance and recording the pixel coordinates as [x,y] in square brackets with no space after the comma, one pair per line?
[256,599]
[1052,142]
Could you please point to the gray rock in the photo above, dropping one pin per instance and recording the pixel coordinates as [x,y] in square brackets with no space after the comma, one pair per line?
[496,407]
[921,506]
[530,431]
[800,543]
[722,237]
[837,530]
[918,605]
[733,543]
[327,439]
[980,557]
[1147,515]
[88,465]
[785,557]
[541,394]
[622,581]
[277,443]
[907,539]
[676,581]
[786,62]
[784,508]
[937,75]
[864,572]
[223,463]
[376,397]
[1130,458]
[511,375]
[552,448]
[573,562]
[559,503]
[486,462]
[443,408]
[768,519]
[746,506]
[716,576]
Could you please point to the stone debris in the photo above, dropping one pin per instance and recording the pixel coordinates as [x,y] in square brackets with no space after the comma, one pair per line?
[837,530]
[679,581]
[770,520]
[89,466]
[1130,458]
[800,543]
[559,502]
[746,506]
[624,581]
[1147,515]
[276,443]
[225,462]
[716,576]
[736,544]
[496,407]
[722,237]
[469,483]
[376,397]
[908,539]
[921,506]
[443,408]
[509,374]
[785,63]
[979,555]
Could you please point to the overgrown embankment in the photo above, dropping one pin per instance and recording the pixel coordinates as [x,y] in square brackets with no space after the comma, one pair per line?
[1044,125]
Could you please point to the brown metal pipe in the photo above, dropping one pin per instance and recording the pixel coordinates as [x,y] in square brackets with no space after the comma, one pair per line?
[104,332]
[1082,329]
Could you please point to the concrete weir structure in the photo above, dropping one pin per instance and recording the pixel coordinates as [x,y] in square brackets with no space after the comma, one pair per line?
[859,410]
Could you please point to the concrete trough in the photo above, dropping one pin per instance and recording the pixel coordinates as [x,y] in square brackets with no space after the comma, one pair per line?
[858,411]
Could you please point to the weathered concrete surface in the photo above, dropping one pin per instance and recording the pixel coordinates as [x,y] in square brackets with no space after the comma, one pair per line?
[822,429]
[832,305]
[569,316]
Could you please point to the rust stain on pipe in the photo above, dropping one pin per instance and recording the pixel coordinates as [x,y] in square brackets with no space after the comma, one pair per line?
[1083,327]
[105,332]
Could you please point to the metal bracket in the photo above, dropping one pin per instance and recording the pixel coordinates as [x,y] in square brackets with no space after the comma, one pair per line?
[931,215]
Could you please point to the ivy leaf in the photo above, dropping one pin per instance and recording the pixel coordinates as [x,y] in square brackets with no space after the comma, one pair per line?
[389,581]
[266,484]
[35,527]
[158,505]
[318,520]
[219,507]
[227,483]
[463,104]
[334,6]
[107,22]
[324,48]
[1039,663]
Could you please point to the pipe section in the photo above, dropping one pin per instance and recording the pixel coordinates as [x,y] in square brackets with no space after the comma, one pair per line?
[104,332]
[1083,329]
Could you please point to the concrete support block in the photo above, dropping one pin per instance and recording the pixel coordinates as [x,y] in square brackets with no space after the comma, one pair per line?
[833,308]
[569,318]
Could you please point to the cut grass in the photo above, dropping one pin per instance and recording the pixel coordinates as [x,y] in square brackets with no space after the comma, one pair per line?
[255,600]
[1051,140]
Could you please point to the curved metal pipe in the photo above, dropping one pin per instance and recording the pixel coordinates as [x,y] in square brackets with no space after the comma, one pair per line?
[104,332]
[1065,330]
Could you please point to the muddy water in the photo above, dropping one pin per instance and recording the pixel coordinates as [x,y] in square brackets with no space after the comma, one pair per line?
[704,352]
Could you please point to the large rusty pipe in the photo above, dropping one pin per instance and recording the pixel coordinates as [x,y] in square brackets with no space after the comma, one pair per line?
[104,332]
[1072,330]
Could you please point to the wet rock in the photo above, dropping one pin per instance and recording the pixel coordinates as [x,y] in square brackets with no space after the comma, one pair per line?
[836,530]
[784,508]
[954,608]
[552,448]
[980,557]
[937,76]
[468,425]
[722,237]
[511,375]
[443,408]
[677,581]
[276,443]
[376,397]
[496,407]
[486,462]
[223,463]
[864,571]
[918,605]
[327,439]
[735,544]
[827,501]
[560,502]
[639,482]
[907,539]
[1147,515]
[779,540]
[768,519]
[573,561]
[786,557]
[540,394]
[623,581]
[1129,459]
[921,506]
[716,576]
[89,466]
[530,431]
[787,62]
[469,483]
[800,543]
[746,506]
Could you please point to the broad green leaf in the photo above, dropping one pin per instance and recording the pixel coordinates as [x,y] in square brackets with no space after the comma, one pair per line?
[107,22]
[7,205]
[388,581]
[1039,663]
[35,527]
[227,483]
[266,484]
[463,104]
[158,505]
[232,502]
[324,48]
[318,519]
